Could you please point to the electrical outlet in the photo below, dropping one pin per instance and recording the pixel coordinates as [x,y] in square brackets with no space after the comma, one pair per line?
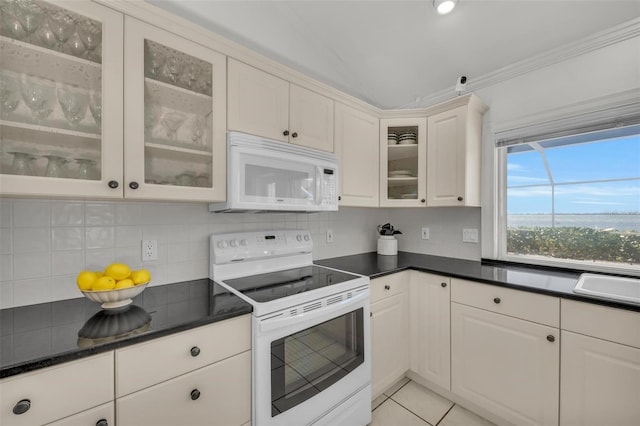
[425,233]
[329,235]
[149,250]
[470,235]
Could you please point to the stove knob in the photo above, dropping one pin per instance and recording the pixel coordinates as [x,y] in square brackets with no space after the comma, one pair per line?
[234,243]
[306,237]
[244,242]
[222,244]
[299,237]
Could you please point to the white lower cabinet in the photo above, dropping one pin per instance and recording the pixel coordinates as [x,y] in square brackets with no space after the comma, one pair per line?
[389,331]
[505,352]
[219,394]
[430,328]
[600,381]
[57,392]
[98,416]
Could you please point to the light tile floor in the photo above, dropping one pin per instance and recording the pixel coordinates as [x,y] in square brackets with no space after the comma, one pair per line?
[408,404]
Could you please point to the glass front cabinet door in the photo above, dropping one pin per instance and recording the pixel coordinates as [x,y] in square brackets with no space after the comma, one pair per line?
[175,117]
[403,143]
[60,99]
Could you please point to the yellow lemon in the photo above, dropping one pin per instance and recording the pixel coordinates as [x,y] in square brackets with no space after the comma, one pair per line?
[127,282]
[86,279]
[141,276]
[99,274]
[117,271]
[104,283]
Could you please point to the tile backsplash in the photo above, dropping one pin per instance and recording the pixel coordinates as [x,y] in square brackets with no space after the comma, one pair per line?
[45,243]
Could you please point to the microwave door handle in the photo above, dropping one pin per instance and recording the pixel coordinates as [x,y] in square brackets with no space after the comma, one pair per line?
[319,194]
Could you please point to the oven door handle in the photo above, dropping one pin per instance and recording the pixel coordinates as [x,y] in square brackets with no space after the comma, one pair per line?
[324,312]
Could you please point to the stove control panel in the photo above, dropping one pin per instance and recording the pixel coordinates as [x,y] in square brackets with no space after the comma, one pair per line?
[238,246]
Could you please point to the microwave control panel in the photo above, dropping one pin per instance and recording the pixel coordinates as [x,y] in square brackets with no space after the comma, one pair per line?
[328,194]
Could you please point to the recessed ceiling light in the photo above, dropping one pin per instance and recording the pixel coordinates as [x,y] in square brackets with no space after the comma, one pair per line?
[444,6]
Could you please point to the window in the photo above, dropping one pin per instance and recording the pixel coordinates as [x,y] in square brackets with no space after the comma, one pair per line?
[572,198]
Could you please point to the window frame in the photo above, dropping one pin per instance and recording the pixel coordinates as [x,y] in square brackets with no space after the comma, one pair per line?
[500,232]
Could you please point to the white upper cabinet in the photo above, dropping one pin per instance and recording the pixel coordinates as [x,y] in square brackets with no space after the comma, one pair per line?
[65,129]
[264,105]
[61,107]
[357,149]
[453,155]
[403,145]
[175,145]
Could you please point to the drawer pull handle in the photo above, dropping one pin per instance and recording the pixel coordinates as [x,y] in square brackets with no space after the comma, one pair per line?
[496,300]
[387,287]
[195,394]
[22,406]
[195,351]
[443,285]
[551,338]
[102,422]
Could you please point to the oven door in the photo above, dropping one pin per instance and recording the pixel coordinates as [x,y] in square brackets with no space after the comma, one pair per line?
[308,365]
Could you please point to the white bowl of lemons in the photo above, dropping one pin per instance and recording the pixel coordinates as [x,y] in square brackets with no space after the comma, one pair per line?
[115,287]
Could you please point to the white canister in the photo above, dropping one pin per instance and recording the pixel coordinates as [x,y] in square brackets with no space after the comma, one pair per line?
[387,245]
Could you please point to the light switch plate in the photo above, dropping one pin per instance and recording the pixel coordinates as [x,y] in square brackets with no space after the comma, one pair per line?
[470,235]
[329,236]
[425,233]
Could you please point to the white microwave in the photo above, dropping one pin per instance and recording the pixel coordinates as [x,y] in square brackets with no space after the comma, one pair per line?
[267,175]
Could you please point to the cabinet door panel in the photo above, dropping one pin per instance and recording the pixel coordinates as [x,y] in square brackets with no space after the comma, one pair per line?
[446,157]
[389,342]
[67,139]
[430,328]
[258,102]
[223,399]
[600,382]
[506,365]
[311,118]
[175,132]
[357,149]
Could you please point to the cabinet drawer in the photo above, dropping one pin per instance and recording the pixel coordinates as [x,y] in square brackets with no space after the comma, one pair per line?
[615,325]
[59,391]
[520,304]
[146,364]
[224,397]
[90,417]
[387,286]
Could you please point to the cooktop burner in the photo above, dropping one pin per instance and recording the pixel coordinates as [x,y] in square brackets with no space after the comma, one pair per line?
[276,285]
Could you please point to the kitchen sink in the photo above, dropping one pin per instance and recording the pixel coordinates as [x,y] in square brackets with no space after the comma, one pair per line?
[609,287]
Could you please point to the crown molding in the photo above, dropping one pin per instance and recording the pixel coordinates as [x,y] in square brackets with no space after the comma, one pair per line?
[599,40]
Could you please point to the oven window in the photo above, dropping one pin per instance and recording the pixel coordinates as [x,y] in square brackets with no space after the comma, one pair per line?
[308,362]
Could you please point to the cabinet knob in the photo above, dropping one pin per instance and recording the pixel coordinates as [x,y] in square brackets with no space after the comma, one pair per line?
[195,351]
[443,285]
[496,300]
[285,133]
[460,198]
[133,185]
[22,406]
[113,184]
[387,287]
[195,394]
[102,422]
[423,201]
[551,338]
[294,135]
[339,197]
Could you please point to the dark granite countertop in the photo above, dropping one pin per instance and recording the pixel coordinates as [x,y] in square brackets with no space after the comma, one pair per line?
[38,336]
[550,281]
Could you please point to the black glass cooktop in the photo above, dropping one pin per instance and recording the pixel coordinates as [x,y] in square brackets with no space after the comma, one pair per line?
[275,285]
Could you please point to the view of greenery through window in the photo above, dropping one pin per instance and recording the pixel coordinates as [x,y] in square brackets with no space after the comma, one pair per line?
[571,199]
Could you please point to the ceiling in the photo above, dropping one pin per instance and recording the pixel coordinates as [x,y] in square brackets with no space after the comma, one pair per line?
[394,53]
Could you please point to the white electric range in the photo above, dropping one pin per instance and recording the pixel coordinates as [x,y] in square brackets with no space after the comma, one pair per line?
[311,347]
